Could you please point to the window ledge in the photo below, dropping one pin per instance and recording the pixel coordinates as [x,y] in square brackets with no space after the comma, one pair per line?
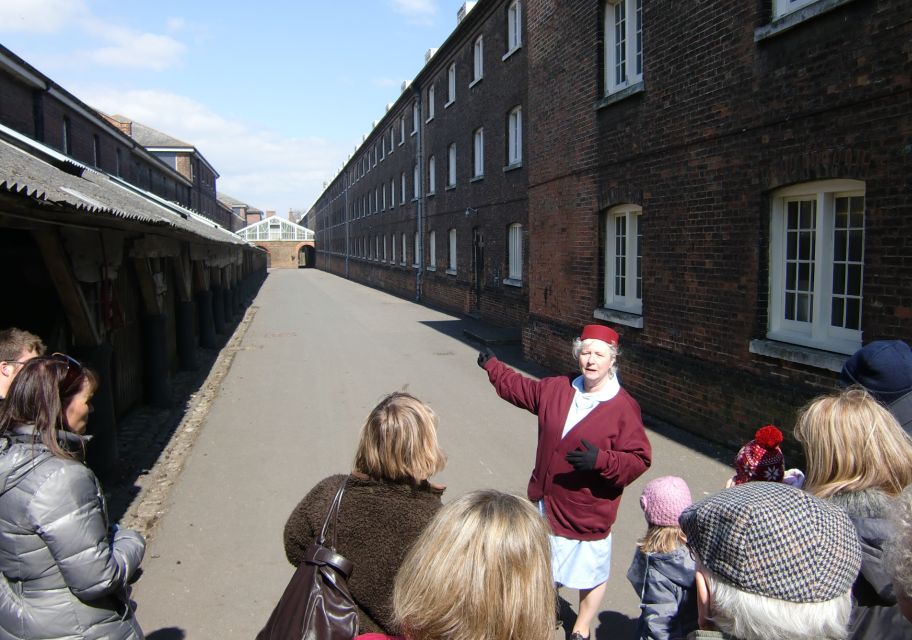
[625,318]
[450,187]
[513,167]
[512,282]
[451,272]
[447,105]
[475,81]
[414,132]
[431,194]
[415,266]
[801,355]
[793,19]
[623,94]
[431,267]
[415,199]
[429,120]
[476,179]
[511,51]
[401,142]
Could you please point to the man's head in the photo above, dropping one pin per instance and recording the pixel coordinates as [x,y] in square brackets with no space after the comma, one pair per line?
[772,562]
[884,369]
[16,348]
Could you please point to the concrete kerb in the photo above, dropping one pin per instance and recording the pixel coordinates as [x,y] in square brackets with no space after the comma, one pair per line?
[151,502]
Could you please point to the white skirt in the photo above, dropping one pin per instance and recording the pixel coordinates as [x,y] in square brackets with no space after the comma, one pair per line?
[579,564]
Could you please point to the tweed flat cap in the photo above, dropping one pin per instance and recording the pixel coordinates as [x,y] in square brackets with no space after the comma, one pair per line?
[775,540]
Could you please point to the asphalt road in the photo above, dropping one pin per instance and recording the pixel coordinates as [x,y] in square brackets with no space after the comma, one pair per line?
[318,355]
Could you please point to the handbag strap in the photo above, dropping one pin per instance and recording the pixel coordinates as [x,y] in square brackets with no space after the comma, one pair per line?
[333,515]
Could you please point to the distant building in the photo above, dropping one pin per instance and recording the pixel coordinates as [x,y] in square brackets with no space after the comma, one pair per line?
[246,214]
[287,245]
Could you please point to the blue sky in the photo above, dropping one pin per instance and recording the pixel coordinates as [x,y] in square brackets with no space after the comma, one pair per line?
[275,94]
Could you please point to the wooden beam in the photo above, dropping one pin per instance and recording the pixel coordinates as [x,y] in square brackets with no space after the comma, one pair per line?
[82,321]
[151,297]
[183,276]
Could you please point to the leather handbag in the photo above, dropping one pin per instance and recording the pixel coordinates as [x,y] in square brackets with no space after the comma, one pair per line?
[317,604]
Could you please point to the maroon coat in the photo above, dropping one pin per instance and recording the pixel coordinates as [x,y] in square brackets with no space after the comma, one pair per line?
[580,505]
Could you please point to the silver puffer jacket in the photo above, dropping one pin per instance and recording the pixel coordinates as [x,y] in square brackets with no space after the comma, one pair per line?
[63,574]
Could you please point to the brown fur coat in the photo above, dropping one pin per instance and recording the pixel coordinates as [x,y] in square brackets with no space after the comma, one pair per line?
[378,523]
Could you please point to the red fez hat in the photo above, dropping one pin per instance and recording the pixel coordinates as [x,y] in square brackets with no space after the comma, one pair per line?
[598,332]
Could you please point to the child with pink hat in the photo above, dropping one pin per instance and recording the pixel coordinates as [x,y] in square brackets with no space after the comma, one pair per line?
[662,571]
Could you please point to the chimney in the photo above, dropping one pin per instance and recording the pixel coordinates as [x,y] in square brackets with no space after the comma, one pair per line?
[429,54]
[463,10]
[269,213]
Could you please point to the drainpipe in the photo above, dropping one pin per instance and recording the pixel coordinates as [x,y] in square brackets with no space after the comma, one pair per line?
[419,160]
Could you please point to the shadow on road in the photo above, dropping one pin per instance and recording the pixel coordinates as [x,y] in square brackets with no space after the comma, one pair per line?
[168,633]
[144,433]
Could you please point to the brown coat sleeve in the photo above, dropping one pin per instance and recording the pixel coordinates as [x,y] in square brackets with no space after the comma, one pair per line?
[304,523]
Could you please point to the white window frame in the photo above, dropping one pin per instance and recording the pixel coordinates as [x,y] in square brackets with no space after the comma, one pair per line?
[416,182]
[392,192]
[383,194]
[451,84]
[478,153]
[451,252]
[432,250]
[384,247]
[514,137]
[376,199]
[415,240]
[432,176]
[816,333]
[392,140]
[430,103]
[785,7]
[514,254]
[393,247]
[477,60]
[514,28]
[451,165]
[401,130]
[404,257]
[416,117]
[402,188]
[619,290]
[620,74]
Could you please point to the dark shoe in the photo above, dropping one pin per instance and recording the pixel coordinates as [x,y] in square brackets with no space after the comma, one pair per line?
[576,635]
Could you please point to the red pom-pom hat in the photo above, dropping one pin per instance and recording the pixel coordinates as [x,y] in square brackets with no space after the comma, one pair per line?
[761,458]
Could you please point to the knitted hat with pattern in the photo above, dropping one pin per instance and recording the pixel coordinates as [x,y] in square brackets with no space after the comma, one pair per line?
[761,458]
[663,499]
[776,541]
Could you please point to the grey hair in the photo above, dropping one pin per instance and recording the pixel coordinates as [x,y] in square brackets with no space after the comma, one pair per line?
[898,550]
[748,616]
[577,349]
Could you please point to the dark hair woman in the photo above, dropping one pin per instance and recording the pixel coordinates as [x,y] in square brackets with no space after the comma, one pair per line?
[63,573]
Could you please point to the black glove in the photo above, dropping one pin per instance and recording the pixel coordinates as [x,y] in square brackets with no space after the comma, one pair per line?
[484,356]
[583,460]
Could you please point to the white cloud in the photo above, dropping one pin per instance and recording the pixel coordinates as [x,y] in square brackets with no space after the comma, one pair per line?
[255,165]
[40,16]
[417,11]
[119,46]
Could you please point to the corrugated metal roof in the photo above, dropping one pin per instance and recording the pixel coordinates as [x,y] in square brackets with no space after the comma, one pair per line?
[44,174]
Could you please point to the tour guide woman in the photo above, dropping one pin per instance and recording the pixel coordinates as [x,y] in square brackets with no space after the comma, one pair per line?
[591,444]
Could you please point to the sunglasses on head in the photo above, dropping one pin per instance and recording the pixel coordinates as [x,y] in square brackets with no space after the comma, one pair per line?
[73,370]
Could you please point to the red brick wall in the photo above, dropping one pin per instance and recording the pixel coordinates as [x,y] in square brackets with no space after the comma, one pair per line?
[283,254]
[722,122]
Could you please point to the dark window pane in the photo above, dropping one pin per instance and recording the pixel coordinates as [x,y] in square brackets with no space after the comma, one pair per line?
[853,314]
[836,313]
[839,272]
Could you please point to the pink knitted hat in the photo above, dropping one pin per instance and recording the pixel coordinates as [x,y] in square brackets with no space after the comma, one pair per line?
[761,458]
[663,500]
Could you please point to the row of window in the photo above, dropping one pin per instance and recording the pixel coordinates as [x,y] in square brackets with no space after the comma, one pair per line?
[375,248]
[816,263]
[376,201]
[380,149]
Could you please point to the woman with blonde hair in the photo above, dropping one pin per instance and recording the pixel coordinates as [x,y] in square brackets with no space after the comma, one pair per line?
[387,502]
[860,458]
[480,571]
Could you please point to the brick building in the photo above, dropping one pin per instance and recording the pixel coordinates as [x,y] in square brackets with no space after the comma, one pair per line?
[727,184]
[104,258]
[432,205]
[186,159]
